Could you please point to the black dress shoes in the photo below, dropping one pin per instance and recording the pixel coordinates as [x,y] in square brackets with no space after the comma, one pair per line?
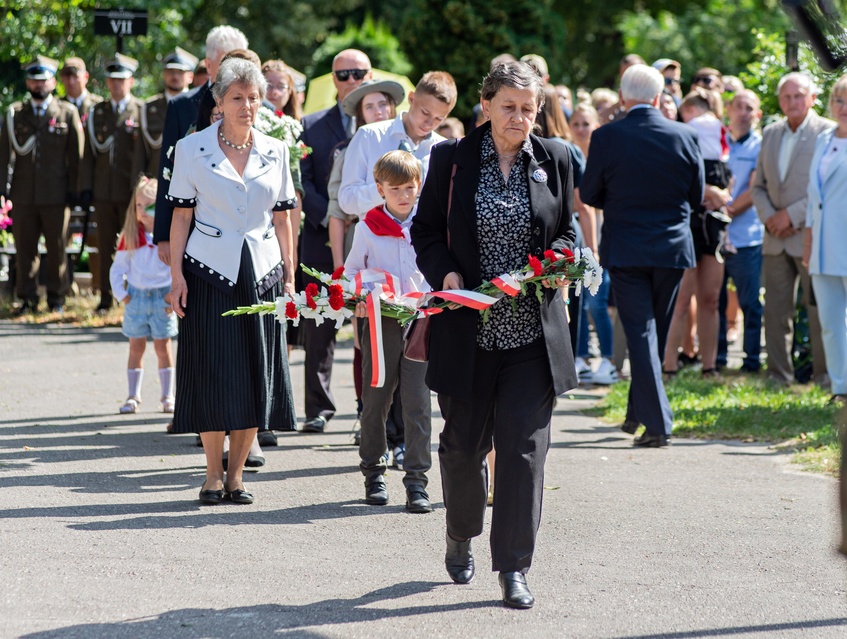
[459,560]
[267,438]
[516,594]
[238,496]
[417,500]
[315,425]
[212,497]
[26,307]
[630,426]
[652,441]
[376,492]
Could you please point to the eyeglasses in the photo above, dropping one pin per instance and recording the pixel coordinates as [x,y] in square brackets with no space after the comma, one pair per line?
[708,80]
[279,87]
[344,74]
[671,81]
[839,102]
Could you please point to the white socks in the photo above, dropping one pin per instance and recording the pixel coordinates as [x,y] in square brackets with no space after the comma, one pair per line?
[167,378]
[134,377]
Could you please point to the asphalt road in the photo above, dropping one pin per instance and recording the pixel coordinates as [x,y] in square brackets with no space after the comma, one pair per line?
[101,534]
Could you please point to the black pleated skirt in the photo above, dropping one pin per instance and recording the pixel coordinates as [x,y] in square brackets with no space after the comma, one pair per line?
[231,372]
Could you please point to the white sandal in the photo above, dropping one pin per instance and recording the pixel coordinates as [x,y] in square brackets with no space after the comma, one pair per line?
[168,404]
[130,406]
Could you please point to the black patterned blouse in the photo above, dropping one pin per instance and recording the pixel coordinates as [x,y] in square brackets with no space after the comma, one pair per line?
[503,231]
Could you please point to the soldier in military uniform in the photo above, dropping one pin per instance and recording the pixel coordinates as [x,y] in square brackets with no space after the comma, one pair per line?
[74,78]
[178,73]
[114,155]
[42,141]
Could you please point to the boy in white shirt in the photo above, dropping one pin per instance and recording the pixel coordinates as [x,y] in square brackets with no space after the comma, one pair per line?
[382,242]
[413,131]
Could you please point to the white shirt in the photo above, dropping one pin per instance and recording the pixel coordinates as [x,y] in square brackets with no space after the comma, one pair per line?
[231,209]
[44,104]
[710,132]
[358,193]
[120,107]
[392,254]
[788,144]
[140,268]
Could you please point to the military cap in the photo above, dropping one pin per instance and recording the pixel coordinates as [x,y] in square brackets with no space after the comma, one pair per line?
[73,66]
[41,68]
[121,66]
[180,59]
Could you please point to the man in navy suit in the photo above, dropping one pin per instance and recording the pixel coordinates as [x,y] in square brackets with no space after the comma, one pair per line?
[182,114]
[323,131]
[646,173]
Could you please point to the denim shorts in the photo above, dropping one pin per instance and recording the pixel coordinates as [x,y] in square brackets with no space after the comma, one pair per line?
[145,314]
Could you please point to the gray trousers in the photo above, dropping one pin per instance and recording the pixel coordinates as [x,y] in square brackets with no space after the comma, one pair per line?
[376,403]
[780,274]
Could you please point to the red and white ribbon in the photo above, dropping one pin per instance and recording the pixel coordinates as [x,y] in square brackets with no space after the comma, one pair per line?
[375,331]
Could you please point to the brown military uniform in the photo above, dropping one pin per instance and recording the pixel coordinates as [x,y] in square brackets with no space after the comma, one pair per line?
[152,125]
[114,157]
[44,153]
[88,101]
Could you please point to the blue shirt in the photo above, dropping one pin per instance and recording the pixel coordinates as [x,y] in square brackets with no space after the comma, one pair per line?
[746,229]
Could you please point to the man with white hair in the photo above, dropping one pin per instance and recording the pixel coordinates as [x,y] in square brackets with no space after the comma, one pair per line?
[646,173]
[779,194]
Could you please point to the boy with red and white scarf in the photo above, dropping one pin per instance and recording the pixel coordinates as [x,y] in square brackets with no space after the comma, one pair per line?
[382,242]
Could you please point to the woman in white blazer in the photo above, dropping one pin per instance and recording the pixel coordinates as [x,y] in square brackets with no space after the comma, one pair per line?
[232,372]
[823,246]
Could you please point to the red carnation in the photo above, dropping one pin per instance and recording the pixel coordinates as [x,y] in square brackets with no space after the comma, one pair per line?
[536,266]
[311,291]
[569,258]
[551,255]
[338,273]
[291,310]
[336,297]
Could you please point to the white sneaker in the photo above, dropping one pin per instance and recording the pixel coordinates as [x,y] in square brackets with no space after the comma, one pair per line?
[583,370]
[605,373]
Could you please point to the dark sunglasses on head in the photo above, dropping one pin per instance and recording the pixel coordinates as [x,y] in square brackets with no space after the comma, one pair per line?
[344,74]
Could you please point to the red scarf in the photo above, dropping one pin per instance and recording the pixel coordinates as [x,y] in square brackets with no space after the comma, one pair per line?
[141,241]
[381,224]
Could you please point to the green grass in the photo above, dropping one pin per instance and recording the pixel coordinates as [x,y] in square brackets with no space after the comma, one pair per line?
[80,310]
[746,408]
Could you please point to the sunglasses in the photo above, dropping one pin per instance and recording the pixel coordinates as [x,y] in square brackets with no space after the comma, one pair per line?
[671,81]
[344,74]
[708,80]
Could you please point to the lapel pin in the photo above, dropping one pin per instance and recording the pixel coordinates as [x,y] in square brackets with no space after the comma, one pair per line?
[539,175]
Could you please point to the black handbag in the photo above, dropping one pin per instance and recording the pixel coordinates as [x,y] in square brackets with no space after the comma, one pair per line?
[416,337]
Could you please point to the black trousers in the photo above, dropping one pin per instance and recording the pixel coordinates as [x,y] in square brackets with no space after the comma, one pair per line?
[319,347]
[645,298]
[512,405]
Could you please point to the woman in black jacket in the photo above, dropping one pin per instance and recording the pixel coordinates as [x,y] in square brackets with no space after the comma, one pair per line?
[490,201]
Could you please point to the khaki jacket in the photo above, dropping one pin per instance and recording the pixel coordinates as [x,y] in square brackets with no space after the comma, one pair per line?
[43,153]
[152,125]
[770,194]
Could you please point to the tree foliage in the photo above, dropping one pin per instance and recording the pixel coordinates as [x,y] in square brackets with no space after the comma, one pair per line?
[463,37]
[721,34]
[372,37]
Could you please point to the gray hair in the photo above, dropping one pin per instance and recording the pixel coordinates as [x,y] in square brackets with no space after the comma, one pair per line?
[802,79]
[222,40]
[238,71]
[515,75]
[641,83]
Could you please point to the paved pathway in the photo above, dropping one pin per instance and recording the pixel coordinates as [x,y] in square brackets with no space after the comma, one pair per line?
[101,534]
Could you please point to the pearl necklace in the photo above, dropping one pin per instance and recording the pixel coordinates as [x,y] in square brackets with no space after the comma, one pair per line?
[237,147]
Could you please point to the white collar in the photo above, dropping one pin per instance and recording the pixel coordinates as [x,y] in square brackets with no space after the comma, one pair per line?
[802,126]
[43,104]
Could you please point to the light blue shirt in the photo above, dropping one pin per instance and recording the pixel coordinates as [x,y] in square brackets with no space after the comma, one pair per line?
[746,229]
